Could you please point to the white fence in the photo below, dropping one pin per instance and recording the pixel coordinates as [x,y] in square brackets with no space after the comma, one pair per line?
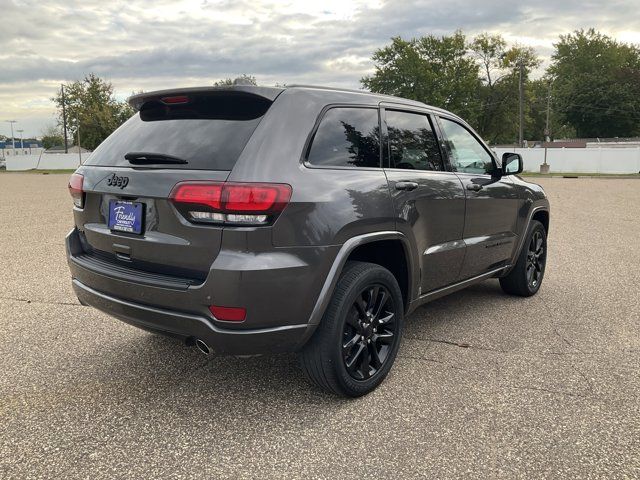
[579,160]
[46,161]
[569,160]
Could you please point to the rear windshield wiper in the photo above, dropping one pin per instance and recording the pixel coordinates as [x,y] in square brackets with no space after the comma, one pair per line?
[148,158]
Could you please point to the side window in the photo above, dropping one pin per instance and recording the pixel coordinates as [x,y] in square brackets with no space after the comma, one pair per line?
[347,136]
[467,154]
[412,143]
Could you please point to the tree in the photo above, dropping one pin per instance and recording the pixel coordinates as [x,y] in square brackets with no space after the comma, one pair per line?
[476,80]
[241,80]
[91,105]
[51,137]
[430,69]
[489,50]
[497,119]
[596,84]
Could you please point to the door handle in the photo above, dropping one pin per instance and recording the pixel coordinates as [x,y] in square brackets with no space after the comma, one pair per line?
[406,186]
[475,187]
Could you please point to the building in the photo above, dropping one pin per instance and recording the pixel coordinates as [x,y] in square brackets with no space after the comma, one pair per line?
[632,142]
[71,149]
[29,147]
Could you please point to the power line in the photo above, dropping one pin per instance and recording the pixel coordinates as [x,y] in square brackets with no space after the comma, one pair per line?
[619,113]
[604,108]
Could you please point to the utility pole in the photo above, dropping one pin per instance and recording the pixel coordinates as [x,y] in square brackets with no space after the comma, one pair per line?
[13,140]
[64,122]
[544,168]
[521,104]
[547,131]
[79,147]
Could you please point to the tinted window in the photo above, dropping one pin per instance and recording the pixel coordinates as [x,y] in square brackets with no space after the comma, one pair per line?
[208,132]
[412,143]
[467,154]
[347,137]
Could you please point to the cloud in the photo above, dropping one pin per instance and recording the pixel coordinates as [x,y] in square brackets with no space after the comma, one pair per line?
[140,44]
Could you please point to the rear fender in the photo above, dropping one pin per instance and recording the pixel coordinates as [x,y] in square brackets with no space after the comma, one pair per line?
[338,264]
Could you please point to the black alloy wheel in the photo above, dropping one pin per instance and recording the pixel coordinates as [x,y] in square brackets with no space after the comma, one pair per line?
[525,278]
[369,333]
[535,259]
[357,341]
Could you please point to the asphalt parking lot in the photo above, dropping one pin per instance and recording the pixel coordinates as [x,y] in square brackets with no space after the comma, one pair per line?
[548,387]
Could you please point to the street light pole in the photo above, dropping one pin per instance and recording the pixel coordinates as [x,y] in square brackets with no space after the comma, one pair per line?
[20,131]
[13,140]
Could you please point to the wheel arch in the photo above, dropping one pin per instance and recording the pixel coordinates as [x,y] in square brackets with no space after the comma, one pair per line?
[542,216]
[390,254]
[369,247]
[538,212]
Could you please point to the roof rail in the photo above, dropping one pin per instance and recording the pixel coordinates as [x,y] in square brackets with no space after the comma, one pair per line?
[337,89]
[392,98]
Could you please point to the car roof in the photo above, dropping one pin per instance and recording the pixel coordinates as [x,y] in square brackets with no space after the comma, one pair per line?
[331,94]
[378,97]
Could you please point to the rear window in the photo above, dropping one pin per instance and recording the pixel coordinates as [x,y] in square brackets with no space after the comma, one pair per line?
[208,132]
[347,137]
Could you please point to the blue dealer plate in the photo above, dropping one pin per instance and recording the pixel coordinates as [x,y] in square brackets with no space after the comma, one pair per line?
[126,216]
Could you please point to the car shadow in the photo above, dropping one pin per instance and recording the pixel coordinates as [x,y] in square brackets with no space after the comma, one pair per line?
[163,371]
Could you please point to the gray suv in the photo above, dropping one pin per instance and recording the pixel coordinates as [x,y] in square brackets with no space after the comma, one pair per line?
[250,220]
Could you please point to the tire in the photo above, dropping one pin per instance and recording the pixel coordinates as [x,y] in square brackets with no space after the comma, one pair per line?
[351,352]
[526,277]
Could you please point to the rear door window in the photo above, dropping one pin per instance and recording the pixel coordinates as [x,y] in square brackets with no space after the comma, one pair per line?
[412,143]
[208,132]
[347,137]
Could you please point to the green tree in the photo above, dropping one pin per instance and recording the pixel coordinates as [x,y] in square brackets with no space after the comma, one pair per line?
[430,69]
[504,124]
[490,51]
[497,119]
[241,80]
[596,84]
[91,105]
[536,103]
[51,137]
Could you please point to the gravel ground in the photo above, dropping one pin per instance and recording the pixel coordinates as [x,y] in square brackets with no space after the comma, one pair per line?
[548,387]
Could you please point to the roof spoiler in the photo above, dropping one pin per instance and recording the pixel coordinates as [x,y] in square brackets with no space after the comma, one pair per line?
[268,93]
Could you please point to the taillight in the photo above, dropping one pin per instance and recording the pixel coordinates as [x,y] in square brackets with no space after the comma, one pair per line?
[75,189]
[228,314]
[231,203]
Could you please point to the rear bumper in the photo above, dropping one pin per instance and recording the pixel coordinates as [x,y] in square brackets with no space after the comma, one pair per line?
[190,327]
[278,289]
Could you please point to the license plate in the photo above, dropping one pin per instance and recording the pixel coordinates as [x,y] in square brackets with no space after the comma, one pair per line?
[126,216]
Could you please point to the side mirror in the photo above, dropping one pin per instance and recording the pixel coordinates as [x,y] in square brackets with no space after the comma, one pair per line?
[511,163]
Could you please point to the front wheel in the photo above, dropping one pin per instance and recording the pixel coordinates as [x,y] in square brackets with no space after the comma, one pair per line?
[356,343]
[526,277]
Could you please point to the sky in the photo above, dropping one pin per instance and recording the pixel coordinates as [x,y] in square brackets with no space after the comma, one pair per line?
[147,45]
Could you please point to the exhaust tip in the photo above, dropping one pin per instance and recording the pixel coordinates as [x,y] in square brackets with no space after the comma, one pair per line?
[203,347]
